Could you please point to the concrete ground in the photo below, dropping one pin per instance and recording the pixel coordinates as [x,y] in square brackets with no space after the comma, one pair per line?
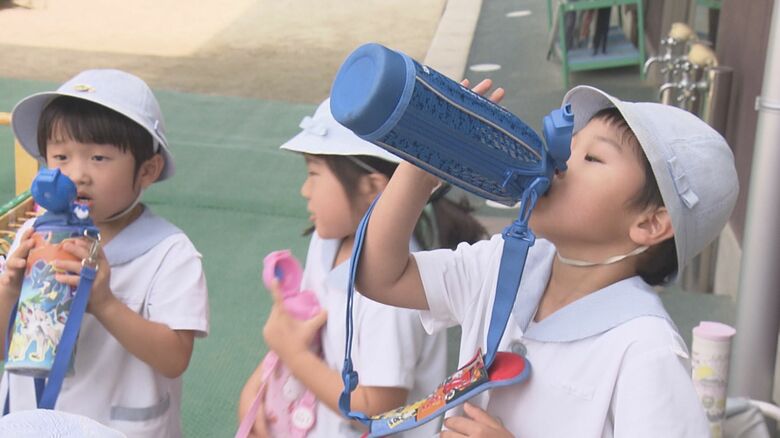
[286,50]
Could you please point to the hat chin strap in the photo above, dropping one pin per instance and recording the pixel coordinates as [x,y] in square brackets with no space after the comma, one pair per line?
[609,261]
[127,210]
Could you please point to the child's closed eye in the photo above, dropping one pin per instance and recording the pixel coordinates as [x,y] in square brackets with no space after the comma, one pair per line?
[100,158]
[592,158]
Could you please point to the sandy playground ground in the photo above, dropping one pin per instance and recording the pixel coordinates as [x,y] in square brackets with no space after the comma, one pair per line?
[286,50]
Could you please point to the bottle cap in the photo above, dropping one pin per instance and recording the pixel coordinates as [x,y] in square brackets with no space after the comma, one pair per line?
[369,87]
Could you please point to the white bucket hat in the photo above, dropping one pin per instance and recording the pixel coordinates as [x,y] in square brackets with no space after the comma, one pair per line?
[692,164]
[114,89]
[323,135]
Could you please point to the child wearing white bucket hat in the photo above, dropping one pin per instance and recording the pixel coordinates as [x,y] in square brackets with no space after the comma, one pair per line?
[648,186]
[104,130]
[398,361]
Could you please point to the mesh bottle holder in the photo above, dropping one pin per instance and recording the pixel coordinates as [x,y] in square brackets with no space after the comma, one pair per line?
[411,110]
[45,323]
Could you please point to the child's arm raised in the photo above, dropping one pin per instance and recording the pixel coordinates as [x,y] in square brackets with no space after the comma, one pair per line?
[387,271]
[166,350]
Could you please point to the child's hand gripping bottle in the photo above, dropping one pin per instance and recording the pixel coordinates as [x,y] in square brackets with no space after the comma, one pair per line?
[289,408]
[46,322]
[45,304]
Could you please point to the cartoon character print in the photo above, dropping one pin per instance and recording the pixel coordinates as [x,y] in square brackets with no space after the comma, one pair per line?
[80,211]
[50,304]
[44,305]
[22,336]
[463,380]
[399,416]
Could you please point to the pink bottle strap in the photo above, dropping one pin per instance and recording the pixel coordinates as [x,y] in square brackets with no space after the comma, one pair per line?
[269,364]
[308,399]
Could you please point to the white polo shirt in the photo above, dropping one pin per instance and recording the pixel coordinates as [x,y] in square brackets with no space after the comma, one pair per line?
[390,347]
[157,272]
[610,364]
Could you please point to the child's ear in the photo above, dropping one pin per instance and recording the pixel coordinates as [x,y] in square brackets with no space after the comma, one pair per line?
[653,226]
[373,183]
[150,170]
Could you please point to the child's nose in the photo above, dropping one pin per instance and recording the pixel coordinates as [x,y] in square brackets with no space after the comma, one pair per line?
[76,172]
[305,189]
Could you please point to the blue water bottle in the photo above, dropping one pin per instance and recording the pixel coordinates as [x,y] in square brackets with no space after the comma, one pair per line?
[45,325]
[420,115]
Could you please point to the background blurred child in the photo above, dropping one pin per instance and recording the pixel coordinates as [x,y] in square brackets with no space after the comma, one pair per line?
[396,360]
[648,186]
[104,130]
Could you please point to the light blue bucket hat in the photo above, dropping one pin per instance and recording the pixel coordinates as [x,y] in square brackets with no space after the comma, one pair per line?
[692,163]
[114,89]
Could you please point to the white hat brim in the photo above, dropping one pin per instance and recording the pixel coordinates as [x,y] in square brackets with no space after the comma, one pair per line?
[323,135]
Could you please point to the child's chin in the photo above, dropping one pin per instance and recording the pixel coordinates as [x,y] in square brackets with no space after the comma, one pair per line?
[536,220]
[324,234]
[541,228]
[541,234]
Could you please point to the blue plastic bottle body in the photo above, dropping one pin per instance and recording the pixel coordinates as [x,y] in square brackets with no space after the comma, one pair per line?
[449,131]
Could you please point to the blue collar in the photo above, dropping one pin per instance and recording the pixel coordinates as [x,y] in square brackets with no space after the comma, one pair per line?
[599,312]
[138,238]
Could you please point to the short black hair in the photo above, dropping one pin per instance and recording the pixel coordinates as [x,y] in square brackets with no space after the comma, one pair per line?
[88,122]
[452,220]
[658,264]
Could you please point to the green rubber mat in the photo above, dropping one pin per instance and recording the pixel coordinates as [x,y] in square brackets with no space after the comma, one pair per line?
[236,195]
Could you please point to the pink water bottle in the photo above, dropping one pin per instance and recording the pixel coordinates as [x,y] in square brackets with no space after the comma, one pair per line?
[290,409]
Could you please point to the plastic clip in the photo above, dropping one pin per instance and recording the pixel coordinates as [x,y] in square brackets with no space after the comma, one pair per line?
[91,260]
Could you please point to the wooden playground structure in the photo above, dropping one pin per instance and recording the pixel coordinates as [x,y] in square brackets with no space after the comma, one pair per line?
[22,207]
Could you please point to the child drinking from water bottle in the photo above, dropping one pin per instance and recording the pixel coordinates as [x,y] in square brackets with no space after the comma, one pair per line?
[648,186]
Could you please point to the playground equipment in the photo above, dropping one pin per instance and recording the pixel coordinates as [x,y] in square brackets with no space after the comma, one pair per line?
[570,21]
[22,207]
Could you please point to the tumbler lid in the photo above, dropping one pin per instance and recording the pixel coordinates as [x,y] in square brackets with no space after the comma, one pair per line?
[284,267]
[714,331]
[53,190]
[368,88]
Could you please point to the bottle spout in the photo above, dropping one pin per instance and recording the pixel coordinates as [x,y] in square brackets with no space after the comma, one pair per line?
[650,62]
[667,86]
